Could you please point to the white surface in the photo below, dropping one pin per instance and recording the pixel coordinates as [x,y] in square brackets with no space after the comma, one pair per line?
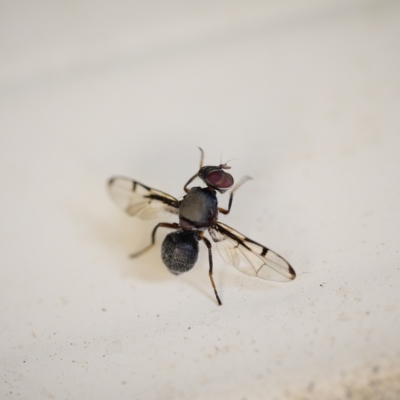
[305,98]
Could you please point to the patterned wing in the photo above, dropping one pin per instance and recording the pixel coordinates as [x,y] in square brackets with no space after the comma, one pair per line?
[140,200]
[250,257]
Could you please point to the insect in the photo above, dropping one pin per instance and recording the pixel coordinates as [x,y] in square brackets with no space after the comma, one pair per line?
[198,211]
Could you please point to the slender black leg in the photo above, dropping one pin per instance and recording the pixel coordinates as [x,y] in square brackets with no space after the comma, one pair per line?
[185,188]
[210,272]
[153,236]
[201,157]
[236,187]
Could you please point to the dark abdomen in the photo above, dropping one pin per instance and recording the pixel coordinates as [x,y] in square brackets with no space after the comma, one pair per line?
[179,251]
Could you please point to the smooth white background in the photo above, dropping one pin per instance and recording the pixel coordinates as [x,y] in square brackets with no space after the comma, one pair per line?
[303,96]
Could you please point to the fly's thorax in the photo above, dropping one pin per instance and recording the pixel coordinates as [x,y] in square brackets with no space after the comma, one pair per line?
[199,206]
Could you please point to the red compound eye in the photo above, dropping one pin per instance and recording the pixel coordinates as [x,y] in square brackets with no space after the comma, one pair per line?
[219,179]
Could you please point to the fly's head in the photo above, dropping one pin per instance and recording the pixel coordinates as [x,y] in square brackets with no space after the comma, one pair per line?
[216,178]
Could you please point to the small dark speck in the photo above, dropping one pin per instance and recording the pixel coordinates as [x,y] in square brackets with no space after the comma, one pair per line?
[24,361]
[189,327]
[123,383]
[103,309]
[158,315]
[376,369]
[321,285]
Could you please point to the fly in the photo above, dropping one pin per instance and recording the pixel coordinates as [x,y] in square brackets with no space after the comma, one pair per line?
[198,211]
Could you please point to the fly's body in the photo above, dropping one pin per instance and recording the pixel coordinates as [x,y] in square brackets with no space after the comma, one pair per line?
[198,211]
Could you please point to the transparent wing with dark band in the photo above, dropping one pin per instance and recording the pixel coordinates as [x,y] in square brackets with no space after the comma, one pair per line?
[140,200]
[250,257]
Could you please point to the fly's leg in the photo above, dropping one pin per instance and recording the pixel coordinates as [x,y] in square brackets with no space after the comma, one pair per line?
[153,236]
[236,187]
[201,157]
[210,272]
[185,188]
